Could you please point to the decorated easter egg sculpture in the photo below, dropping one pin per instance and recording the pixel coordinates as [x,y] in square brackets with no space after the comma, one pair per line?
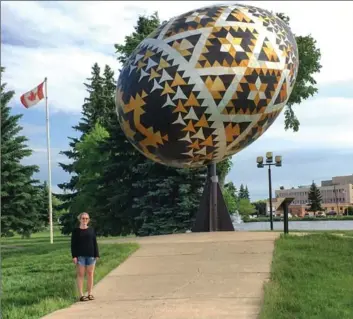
[206,84]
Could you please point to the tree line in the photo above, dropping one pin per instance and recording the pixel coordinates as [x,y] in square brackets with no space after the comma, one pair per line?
[122,190]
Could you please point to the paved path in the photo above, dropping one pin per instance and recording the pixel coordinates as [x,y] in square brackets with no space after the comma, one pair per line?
[187,276]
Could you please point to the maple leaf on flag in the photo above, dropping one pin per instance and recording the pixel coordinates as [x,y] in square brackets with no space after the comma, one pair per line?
[32,97]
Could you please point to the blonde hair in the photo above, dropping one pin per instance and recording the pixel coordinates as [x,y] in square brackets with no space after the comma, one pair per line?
[80,215]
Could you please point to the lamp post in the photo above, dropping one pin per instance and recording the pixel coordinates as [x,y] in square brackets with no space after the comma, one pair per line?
[269,163]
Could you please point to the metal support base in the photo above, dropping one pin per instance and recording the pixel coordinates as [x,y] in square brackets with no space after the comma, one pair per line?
[213,213]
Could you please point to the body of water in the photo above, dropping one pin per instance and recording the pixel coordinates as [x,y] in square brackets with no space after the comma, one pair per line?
[297,225]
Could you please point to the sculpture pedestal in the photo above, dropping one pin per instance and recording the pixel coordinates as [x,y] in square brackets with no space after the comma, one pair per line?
[213,213]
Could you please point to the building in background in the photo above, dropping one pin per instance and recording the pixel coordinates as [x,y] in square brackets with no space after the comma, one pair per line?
[337,195]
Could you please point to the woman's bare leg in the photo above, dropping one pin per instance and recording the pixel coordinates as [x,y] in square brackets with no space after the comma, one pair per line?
[80,277]
[90,278]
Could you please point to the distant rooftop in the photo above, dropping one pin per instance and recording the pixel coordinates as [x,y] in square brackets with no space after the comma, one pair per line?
[336,180]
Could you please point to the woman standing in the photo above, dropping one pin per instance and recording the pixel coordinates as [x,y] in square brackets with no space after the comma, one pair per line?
[84,250]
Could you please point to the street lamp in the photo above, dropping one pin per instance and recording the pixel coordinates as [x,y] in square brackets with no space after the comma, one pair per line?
[269,163]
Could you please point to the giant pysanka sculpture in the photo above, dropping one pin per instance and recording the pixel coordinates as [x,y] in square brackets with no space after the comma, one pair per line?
[206,84]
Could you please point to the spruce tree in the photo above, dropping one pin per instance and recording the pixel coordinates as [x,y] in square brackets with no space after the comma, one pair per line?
[246,193]
[241,192]
[19,191]
[315,199]
[43,203]
[169,198]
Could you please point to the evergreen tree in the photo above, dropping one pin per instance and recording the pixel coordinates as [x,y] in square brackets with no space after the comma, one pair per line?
[260,207]
[246,193]
[43,203]
[170,198]
[349,211]
[19,192]
[242,192]
[315,199]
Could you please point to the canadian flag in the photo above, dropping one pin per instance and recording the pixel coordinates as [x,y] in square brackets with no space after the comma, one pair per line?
[32,97]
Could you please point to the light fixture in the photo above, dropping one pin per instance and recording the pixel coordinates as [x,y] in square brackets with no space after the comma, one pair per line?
[278,160]
[269,157]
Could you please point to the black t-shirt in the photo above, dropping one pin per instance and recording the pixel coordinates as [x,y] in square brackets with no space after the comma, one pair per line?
[84,243]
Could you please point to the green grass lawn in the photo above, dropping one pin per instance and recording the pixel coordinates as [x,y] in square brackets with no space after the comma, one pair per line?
[311,278]
[39,278]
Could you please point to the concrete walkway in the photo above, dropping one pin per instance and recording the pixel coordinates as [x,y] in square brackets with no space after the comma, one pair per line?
[187,276]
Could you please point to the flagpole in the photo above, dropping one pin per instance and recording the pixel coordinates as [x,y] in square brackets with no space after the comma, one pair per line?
[49,163]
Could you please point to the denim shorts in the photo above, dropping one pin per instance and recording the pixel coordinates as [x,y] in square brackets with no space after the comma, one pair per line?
[86,261]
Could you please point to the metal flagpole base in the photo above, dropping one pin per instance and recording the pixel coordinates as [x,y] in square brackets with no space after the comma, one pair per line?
[213,214]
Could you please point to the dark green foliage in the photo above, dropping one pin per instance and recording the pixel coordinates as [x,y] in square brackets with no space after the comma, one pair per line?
[260,207]
[20,195]
[349,211]
[241,191]
[171,198]
[315,199]
[43,204]
[246,193]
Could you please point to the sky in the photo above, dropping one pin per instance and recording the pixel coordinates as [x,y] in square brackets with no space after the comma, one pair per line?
[61,40]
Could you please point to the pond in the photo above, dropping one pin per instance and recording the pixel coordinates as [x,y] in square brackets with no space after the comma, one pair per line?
[297,225]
